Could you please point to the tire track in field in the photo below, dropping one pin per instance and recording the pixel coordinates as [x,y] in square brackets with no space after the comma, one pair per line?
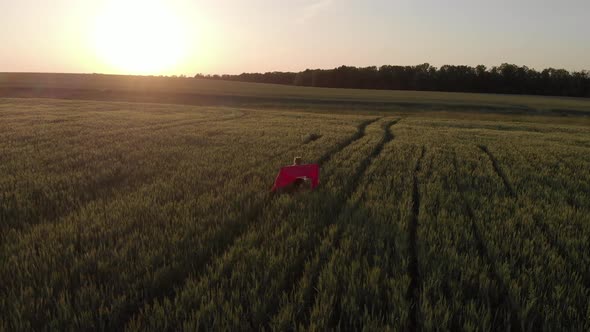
[546,234]
[554,242]
[227,240]
[360,133]
[342,207]
[484,253]
[499,170]
[413,294]
[539,224]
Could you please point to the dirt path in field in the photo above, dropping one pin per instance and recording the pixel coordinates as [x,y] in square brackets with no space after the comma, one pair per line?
[413,294]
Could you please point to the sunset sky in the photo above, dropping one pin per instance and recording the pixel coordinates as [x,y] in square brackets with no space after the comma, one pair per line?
[233,36]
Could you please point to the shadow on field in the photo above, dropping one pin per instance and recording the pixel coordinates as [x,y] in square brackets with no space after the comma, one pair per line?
[273,102]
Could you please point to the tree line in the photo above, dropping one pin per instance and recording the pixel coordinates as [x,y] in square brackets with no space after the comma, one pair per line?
[506,78]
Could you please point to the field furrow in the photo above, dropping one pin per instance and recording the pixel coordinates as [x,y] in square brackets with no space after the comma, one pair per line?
[499,170]
[364,282]
[346,209]
[415,286]
[483,250]
[360,133]
[526,261]
[561,216]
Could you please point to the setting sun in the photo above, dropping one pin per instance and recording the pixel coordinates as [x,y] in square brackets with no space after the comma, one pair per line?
[140,37]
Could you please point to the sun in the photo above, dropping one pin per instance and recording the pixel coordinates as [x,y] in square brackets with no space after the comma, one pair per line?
[140,37]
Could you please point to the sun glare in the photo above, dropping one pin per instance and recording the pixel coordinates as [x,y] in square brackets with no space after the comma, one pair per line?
[140,37]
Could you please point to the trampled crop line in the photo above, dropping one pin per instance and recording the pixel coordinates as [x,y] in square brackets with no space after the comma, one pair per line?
[484,253]
[413,294]
[499,170]
[387,137]
[350,189]
[562,251]
[360,133]
[540,224]
[239,230]
[348,192]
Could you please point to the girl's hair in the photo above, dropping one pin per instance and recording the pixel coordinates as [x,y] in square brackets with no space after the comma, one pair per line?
[297,161]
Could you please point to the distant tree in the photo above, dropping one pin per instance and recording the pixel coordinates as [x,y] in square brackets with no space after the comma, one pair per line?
[506,78]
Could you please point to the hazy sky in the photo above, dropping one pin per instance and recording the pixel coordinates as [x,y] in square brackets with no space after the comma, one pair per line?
[232,36]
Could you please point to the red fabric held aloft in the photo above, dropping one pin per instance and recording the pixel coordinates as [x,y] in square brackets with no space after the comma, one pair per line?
[289,174]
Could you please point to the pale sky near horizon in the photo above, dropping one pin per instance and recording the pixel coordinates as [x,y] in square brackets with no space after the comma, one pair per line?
[234,36]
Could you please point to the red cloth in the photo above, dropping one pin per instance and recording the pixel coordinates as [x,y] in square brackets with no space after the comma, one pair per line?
[290,174]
